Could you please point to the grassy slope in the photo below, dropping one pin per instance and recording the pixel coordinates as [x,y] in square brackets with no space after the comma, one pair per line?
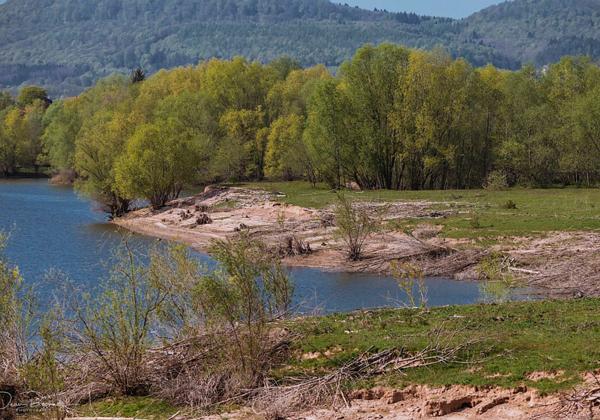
[516,339]
[482,214]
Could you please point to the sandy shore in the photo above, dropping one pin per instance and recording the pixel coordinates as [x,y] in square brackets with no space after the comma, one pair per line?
[280,225]
[560,264]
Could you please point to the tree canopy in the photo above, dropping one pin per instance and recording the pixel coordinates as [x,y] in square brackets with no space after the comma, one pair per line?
[392,118]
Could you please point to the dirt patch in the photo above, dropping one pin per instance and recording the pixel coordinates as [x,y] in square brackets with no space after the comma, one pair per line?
[538,376]
[425,402]
[219,213]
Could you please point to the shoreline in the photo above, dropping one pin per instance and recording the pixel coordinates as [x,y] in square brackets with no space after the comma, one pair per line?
[559,264]
[282,226]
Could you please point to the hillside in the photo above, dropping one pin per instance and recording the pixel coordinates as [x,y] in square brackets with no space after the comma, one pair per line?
[538,31]
[66,45]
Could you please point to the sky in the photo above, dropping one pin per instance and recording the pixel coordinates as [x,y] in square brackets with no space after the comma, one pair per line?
[445,8]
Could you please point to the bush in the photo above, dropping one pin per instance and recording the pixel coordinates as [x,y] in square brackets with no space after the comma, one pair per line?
[11,334]
[240,299]
[410,277]
[497,282]
[354,226]
[114,327]
[509,205]
[475,221]
[496,181]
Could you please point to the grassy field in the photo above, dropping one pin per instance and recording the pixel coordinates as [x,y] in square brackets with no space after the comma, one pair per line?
[513,341]
[481,214]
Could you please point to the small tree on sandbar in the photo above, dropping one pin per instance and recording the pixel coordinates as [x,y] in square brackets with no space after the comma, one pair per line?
[354,226]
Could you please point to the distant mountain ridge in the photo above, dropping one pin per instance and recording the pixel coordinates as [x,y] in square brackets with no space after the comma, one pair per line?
[66,45]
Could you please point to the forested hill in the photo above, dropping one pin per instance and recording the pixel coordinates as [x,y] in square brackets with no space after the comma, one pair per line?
[538,31]
[66,45]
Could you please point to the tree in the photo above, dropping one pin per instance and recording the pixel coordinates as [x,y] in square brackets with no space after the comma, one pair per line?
[372,81]
[242,149]
[30,146]
[12,131]
[137,76]
[29,94]
[283,66]
[63,122]
[329,134]
[6,100]
[291,95]
[158,162]
[101,140]
[286,156]
[583,149]
[353,226]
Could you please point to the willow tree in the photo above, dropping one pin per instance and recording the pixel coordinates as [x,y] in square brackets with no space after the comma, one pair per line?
[101,141]
[157,163]
[286,156]
[372,80]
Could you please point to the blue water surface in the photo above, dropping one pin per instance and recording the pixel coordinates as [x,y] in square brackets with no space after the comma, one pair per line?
[52,228]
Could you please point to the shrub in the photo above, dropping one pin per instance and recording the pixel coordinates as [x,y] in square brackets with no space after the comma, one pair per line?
[240,299]
[115,326]
[496,181]
[497,282]
[509,205]
[475,221]
[12,340]
[354,226]
[410,277]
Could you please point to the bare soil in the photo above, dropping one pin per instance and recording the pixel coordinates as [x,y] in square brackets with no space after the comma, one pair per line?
[452,402]
[558,264]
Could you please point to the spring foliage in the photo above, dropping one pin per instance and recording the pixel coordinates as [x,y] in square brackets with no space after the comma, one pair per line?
[391,118]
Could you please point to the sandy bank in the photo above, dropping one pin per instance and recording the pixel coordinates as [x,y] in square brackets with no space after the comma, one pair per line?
[560,264]
[284,226]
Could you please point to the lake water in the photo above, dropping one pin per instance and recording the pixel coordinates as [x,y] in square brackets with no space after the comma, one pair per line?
[52,228]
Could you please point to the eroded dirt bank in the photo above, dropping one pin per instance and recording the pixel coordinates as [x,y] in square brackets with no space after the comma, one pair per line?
[560,264]
[456,402]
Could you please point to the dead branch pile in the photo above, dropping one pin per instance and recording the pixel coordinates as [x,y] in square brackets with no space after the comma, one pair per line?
[193,372]
[299,393]
[293,246]
[581,403]
[450,263]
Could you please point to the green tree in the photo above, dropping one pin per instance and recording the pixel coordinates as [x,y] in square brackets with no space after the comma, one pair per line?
[11,131]
[157,163]
[101,140]
[329,132]
[30,146]
[6,100]
[286,156]
[242,148]
[29,94]
[372,80]
[63,122]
